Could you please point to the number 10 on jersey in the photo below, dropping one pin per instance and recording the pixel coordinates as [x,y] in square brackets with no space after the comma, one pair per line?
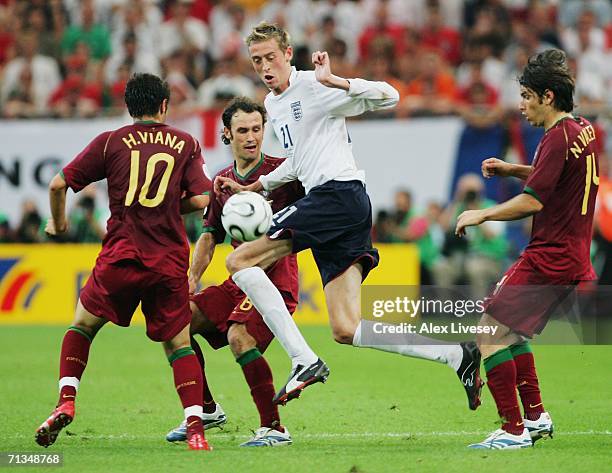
[150,171]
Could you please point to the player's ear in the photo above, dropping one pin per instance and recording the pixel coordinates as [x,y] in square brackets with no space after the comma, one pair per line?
[289,53]
[227,133]
[550,96]
[163,109]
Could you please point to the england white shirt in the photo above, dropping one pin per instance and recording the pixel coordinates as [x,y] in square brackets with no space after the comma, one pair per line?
[309,120]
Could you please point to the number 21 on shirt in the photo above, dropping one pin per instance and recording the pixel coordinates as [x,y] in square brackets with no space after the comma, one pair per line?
[287,141]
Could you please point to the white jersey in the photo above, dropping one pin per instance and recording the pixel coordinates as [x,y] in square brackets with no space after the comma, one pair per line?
[309,120]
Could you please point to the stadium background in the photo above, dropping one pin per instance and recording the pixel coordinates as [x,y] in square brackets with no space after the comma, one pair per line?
[63,68]
[64,65]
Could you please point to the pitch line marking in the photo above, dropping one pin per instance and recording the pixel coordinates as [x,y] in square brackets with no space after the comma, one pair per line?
[225,435]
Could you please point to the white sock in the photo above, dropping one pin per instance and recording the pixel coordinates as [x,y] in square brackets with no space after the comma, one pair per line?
[193,411]
[416,346]
[264,295]
[69,381]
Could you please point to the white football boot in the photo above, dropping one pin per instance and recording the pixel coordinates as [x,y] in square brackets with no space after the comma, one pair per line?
[541,428]
[210,421]
[267,437]
[502,440]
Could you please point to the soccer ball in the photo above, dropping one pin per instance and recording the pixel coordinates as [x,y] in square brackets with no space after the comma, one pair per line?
[246,216]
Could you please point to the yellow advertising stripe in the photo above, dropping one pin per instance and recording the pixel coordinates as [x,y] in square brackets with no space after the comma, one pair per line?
[63,269]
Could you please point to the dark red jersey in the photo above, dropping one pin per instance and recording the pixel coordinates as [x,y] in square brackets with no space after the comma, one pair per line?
[565,180]
[284,274]
[149,167]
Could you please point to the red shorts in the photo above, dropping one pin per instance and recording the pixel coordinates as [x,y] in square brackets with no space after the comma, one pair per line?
[113,291]
[226,304]
[524,299]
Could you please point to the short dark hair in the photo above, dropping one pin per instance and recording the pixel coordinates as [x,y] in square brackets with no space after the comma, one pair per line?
[548,70]
[144,94]
[240,103]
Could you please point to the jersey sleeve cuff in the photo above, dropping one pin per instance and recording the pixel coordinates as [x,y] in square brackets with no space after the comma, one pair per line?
[531,192]
[208,229]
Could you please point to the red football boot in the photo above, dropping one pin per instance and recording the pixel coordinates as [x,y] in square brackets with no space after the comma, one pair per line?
[61,416]
[198,442]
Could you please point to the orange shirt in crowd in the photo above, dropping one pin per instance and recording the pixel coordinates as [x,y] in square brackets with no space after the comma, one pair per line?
[442,86]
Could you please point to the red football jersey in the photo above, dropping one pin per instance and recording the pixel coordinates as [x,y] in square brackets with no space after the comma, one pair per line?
[565,181]
[284,274]
[149,167]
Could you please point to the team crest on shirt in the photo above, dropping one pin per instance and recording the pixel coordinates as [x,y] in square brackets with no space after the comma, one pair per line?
[296,108]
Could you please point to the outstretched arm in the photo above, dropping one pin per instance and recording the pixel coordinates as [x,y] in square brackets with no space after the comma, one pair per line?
[496,167]
[359,95]
[521,206]
[277,178]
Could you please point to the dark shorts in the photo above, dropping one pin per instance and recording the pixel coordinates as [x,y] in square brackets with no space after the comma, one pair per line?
[113,292]
[335,221]
[225,305]
[524,299]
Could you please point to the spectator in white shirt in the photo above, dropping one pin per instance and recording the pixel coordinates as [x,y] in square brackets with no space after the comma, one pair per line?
[226,83]
[44,71]
[183,32]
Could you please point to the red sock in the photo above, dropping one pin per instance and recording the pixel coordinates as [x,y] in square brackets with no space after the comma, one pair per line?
[188,383]
[258,375]
[501,379]
[73,360]
[209,405]
[528,386]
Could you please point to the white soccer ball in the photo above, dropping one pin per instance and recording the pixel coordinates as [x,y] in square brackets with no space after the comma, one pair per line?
[246,216]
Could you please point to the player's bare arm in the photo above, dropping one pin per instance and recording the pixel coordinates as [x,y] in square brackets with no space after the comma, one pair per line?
[194,203]
[202,256]
[323,72]
[496,167]
[57,224]
[226,184]
[519,207]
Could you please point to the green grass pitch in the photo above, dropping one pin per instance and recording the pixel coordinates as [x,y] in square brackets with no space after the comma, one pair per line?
[378,412]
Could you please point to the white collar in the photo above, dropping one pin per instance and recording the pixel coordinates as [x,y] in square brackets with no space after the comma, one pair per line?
[292,77]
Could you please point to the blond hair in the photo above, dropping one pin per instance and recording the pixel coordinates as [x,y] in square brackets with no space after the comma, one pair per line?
[265,31]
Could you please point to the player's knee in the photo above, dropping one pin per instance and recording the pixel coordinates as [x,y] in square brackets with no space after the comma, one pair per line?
[234,262]
[239,339]
[199,323]
[481,340]
[88,329]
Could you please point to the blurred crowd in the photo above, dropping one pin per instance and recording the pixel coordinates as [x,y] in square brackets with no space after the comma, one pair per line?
[86,221]
[478,259]
[71,58]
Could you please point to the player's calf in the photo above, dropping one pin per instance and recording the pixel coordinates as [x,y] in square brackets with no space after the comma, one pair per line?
[258,376]
[342,295]
[188,382]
